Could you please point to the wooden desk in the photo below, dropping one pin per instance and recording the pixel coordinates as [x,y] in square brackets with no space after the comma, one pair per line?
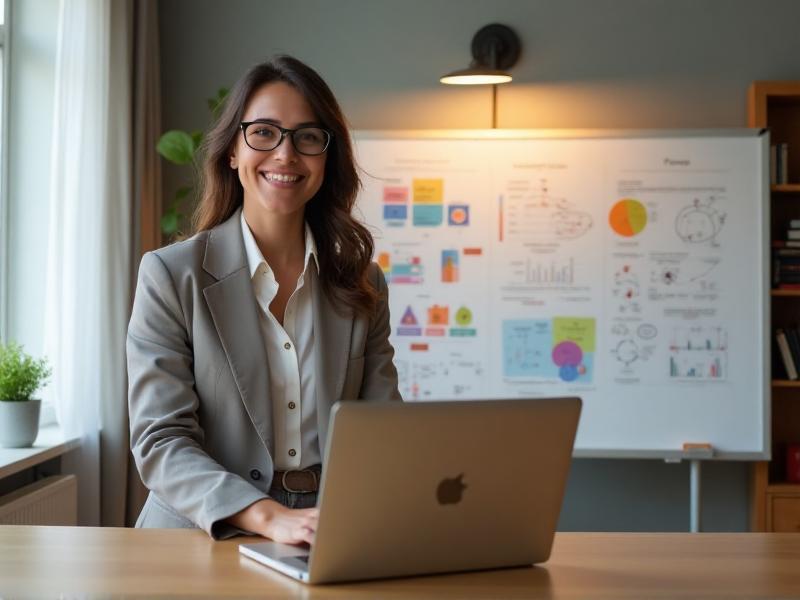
[96,562]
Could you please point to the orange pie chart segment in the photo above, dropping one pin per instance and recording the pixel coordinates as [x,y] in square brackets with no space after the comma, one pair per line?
[628,217]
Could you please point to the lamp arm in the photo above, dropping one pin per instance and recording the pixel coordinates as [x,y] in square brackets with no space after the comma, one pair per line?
[494,47]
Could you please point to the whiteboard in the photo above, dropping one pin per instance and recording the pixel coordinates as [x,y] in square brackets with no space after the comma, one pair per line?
[627,268]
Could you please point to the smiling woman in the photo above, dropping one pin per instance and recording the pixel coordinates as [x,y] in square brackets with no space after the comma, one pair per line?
[243,336]
[301,94]
[278,179]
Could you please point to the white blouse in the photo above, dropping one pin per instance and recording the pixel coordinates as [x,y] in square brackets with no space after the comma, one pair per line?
[290,356]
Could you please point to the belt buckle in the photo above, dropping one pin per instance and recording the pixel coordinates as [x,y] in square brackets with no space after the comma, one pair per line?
[294,491]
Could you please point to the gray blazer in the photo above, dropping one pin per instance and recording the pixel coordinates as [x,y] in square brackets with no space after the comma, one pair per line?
[200,413]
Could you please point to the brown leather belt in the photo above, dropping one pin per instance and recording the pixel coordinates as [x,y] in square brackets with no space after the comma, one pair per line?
[302,481]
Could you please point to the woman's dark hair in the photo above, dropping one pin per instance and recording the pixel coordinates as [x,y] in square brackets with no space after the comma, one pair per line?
[344,246]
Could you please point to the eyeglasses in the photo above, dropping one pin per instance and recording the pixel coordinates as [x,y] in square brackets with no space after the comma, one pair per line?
[263,136]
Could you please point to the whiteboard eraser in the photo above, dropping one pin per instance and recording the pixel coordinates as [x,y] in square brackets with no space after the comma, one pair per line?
[697,450]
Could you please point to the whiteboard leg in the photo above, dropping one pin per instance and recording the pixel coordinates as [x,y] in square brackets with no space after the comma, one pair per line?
[694,496]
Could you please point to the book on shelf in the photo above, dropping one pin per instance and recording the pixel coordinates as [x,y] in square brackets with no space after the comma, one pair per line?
[783,163]
[785,263]
[782,277]
[793,230]
[786,354]
[793,245]
[786,280]
[773,164]
[779,164]
[793,338]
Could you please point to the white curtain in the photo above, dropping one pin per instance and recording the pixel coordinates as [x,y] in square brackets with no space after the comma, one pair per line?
[89,232]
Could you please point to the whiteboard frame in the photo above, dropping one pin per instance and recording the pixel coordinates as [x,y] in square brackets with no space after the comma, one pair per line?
[765,373]
[552,134]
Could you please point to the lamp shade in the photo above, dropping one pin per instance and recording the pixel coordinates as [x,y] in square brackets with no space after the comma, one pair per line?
[475,77]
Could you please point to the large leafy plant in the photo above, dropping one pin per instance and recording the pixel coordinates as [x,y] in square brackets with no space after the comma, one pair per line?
[20,374]
[180,147]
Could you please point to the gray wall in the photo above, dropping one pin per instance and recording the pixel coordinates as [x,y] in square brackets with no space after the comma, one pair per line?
[585,63]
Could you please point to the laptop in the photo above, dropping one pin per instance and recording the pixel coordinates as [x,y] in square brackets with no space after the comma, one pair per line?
[434,487]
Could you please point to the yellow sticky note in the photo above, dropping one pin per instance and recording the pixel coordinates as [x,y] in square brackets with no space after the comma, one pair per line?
[428,191]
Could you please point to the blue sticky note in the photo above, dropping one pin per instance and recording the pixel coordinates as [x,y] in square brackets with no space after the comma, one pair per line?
[428,215]
[395,212]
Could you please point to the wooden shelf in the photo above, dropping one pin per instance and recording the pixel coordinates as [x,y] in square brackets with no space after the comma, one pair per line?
[786,188]
[792,488]
[786,383]
[784,293]
[50,443]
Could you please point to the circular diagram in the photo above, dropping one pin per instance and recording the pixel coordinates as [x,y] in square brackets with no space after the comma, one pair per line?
[699,222]
[627,352]
[570,224]
[459,216]
[647,331]
[628,217]
[463,316]
[568,356]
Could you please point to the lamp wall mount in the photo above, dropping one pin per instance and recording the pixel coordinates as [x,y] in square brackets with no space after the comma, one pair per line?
[495,46]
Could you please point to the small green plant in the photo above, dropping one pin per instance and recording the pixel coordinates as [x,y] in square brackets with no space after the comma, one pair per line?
[180,148]
[20,374]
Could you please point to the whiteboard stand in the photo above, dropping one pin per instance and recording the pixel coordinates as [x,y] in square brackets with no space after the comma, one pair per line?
[695,453]
[694,496]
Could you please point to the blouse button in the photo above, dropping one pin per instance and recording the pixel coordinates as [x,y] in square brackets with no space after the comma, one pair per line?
[292,405]
[255,474]
[292,452]
[287,345]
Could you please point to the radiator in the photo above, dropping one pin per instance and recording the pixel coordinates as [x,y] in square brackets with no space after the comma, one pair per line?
[49,501]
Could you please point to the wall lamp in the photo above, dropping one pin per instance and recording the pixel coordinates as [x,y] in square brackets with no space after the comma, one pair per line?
[495,49]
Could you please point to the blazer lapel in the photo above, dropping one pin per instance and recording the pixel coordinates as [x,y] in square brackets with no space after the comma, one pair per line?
[234,311]
[332,333]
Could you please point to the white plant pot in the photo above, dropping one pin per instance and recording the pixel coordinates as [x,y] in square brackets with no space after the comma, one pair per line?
[19,423]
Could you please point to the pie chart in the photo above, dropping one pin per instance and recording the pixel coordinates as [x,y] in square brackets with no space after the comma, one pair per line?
[628,217]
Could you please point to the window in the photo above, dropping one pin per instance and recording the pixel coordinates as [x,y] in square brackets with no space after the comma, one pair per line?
[29,54]
[3,171]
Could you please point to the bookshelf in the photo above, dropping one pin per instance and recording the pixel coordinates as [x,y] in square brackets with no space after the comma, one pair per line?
[775,502]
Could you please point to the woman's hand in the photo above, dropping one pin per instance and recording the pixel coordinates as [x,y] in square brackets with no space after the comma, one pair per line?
[278,523]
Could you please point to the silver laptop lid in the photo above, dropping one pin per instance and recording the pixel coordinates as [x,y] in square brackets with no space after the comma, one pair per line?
[413,488]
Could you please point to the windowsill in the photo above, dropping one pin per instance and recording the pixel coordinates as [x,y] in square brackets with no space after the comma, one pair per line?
[50,443]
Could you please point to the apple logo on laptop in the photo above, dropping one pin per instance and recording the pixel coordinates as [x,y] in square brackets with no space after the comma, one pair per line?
[449,490]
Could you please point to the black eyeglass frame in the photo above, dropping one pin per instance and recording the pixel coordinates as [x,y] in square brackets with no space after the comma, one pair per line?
[285,132]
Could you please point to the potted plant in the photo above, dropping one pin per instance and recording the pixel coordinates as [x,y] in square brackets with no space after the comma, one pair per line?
[20,377]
